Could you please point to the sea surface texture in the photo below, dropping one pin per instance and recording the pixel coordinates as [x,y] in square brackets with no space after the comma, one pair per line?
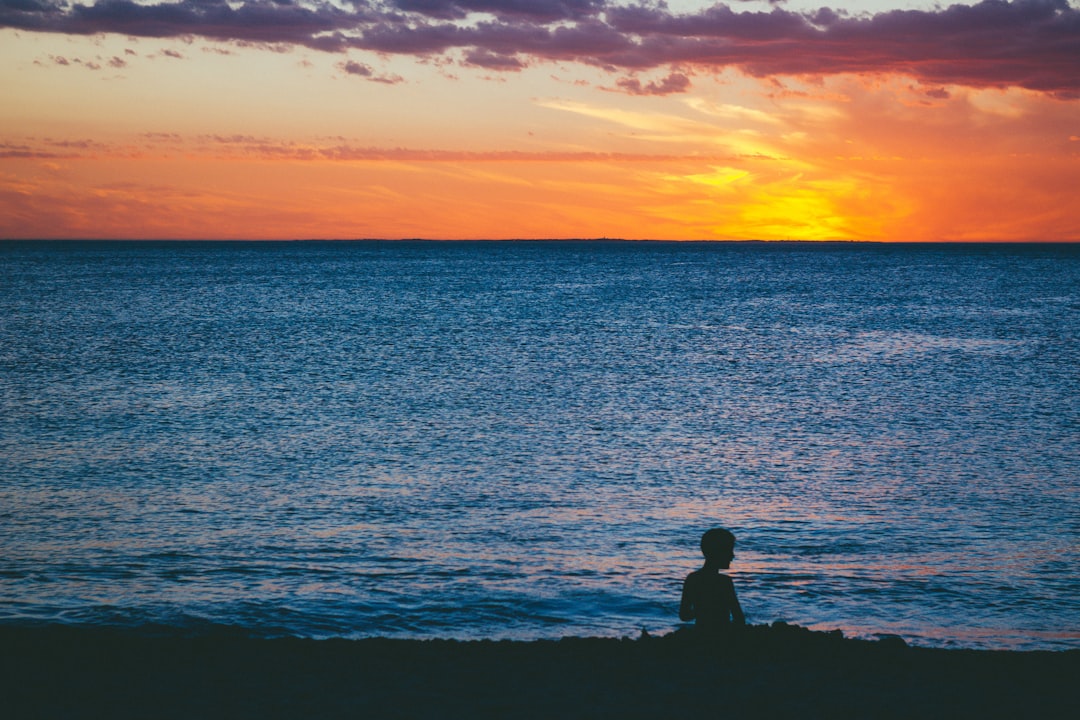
[527,439]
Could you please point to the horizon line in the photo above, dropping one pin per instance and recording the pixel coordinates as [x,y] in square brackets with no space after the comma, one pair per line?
[699,241]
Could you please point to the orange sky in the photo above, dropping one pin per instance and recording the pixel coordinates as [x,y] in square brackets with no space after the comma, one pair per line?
[185,133]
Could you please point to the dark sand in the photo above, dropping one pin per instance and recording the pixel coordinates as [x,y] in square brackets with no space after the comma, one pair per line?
[56,672]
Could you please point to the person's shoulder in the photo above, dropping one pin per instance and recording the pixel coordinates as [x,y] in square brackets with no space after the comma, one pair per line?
[694,576]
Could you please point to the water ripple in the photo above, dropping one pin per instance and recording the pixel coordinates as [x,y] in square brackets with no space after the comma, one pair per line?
[526,439]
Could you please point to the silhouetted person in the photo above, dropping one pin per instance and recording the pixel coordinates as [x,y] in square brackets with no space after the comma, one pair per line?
[708,596]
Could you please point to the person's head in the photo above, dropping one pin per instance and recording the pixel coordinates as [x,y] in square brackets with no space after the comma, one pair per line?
[718,546]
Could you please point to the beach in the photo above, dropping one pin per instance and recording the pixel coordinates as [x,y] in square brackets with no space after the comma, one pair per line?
[769,671]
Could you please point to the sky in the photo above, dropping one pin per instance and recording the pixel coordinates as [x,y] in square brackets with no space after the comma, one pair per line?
[449,119]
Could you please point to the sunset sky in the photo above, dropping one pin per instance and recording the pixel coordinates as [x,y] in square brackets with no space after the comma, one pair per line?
[893,120]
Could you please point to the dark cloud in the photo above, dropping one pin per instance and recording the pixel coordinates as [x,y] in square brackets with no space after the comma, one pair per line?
[24,151]
[996,43]
[29,155]
[351,67]
[49,148]
[77,144]
[162,137]
[354,68]
[387,79]
[258,21]
[718,21]
[546,10]
[494,61]
[673,83]
[440,9]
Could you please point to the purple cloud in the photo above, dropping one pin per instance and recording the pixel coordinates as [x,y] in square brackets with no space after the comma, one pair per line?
[354,68]
[1033,44]
[673,83]
[23,151]
[494,61]
[351,67]
[546,10]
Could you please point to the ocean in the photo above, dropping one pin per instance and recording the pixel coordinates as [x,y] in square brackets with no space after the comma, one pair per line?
[526,439]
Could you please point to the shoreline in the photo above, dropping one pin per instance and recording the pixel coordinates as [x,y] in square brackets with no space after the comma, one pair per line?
[775,671]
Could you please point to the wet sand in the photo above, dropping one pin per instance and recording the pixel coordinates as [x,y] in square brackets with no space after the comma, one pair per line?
[55,672]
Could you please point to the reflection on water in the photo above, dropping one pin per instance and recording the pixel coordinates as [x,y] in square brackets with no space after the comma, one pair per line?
[906,346]
[525,440]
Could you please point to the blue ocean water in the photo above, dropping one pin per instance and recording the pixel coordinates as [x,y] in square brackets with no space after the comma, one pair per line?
[526,439]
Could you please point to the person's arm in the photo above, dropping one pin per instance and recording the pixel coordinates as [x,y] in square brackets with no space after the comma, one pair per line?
[737,616]
[686,606]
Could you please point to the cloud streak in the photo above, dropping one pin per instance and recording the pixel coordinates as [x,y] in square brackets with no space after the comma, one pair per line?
[1033,44]
[220,146]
